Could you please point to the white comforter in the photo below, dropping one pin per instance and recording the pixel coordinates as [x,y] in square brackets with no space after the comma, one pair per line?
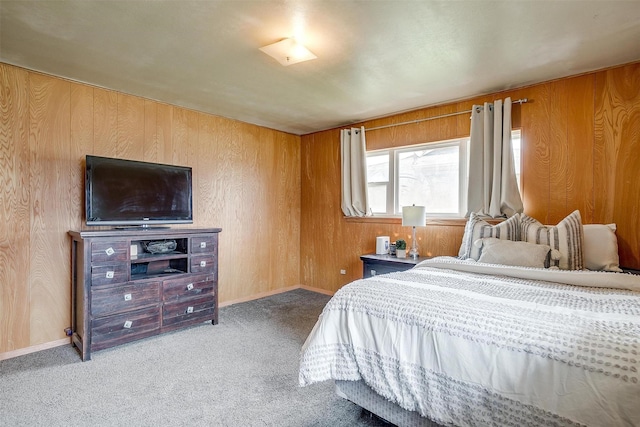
[465,348]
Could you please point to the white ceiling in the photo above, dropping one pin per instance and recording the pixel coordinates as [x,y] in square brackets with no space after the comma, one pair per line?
[374,57]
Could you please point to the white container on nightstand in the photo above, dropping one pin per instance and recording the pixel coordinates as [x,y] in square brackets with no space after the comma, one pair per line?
[382,245]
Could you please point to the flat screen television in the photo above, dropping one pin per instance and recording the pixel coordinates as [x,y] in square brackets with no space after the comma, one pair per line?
[132,193]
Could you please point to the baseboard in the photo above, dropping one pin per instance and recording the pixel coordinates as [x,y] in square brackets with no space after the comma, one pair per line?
[258,296]
[64,341]
[275,292]
[34,348]
[317,290]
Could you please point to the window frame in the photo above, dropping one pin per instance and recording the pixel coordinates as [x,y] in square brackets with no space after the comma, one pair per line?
[393,183]
[393,208]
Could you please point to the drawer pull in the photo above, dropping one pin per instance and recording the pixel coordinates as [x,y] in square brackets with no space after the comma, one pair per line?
[190,286]
[128,324]
[203,245]
[203,263]
[189,310]
[110,274]
[127,297]
[109,251]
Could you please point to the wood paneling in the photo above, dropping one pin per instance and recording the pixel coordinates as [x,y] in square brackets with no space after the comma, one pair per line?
[50,190]
[277,196]
[536,153]
[81,144]
[105,123]
[329,242]
[150,148]
[164,121]
[580,142]
[617,162]
[184,136]
[14,209]
[246,180]
[556,112]
[131,127]
[580,151]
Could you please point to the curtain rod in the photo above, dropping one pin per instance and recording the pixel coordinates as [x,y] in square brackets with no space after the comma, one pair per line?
[519,101]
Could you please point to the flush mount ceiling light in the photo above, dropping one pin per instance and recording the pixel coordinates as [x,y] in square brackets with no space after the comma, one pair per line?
[288,52]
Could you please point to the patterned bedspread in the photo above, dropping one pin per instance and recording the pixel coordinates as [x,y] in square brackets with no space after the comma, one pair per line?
[471,349]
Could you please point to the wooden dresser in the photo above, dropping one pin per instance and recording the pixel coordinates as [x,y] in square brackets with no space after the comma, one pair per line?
[134,283]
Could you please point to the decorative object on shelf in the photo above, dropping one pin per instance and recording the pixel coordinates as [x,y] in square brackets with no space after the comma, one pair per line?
[160,246]
[382,245]
[401,248]
[414,216]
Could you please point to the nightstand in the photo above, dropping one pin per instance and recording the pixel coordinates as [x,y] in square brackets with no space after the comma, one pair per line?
[373,265]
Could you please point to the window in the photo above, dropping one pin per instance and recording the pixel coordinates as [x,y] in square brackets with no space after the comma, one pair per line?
[433,175]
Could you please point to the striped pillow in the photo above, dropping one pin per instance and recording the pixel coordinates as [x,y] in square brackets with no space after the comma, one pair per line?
[477,228]
[566,237]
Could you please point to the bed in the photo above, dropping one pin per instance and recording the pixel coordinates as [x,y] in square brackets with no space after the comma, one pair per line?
[468,343]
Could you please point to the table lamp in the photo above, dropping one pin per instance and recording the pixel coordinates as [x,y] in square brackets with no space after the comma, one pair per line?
[414,216]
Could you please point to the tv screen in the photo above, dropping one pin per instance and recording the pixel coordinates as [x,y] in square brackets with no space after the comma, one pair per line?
[127,192]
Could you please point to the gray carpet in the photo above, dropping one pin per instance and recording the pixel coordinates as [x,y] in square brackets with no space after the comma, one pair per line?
[242,372]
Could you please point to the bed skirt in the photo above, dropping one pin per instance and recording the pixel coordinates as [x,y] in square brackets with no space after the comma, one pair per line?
[360,394]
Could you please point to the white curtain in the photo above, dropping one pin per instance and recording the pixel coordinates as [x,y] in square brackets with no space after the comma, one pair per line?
[492,188]
[355,201]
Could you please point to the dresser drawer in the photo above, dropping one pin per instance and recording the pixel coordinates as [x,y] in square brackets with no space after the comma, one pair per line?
[374,269]
[109,273]
[109,251]
[131,296]
[203,244]
[374,265]
[125,327]
[189,287]
[189,311]
[202,264]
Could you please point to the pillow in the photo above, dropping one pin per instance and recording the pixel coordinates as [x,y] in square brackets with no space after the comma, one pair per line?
[507,252]
[600,247]
[478,228]
[566,237]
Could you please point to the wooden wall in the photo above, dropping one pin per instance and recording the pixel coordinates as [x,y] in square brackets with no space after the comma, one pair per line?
[272,191]
[581,150]
[246,180]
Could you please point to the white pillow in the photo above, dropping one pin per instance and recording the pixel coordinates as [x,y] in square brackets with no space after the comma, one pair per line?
[601,247]
[477,228]
[507,252]
[566,237]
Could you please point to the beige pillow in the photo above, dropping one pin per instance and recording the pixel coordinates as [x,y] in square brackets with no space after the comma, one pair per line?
[507,252]
[601,247]
[566,237]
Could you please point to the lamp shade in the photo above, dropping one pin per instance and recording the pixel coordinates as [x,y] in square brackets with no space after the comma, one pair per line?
[414,216]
